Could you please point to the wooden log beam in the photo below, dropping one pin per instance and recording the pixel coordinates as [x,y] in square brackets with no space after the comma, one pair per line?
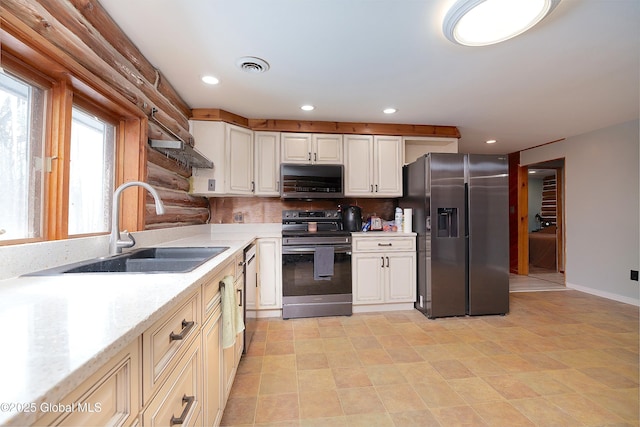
[174,198]
[161,177]
[70,32]
[165,162]
[176,216]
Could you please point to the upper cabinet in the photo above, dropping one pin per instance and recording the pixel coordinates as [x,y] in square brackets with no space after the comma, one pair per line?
[373,166]
[307,148]
[244,164]
[267,163]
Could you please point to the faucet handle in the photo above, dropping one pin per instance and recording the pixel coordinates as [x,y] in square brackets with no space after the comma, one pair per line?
[127,240]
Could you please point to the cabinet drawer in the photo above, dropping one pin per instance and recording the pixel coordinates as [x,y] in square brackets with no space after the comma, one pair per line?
[179,400]
[108,398]
[384,244]
[165,340]
[211,290]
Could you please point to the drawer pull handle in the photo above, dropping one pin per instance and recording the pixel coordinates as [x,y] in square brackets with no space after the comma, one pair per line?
[239,297]
[385,244]
[186,327]
[189,401]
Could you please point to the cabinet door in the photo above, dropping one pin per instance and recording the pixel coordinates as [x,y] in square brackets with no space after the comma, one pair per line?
[358,158]
[401,277]
[269,273]
[209,139]
[327,149]
[239,160]
[388,160]
[267,163]
[296,147]
[212,369]
[367,278]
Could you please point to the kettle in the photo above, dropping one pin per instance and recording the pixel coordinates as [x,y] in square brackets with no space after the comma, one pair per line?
[352,218]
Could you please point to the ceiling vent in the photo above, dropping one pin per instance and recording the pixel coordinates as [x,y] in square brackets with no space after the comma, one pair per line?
[251,64]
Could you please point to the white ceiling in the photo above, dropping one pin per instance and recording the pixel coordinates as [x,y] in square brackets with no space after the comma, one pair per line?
[577,71]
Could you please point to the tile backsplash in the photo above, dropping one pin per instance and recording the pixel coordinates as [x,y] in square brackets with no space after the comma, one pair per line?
[269,209]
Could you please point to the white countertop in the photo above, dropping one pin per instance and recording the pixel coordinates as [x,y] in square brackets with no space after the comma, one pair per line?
[60,329]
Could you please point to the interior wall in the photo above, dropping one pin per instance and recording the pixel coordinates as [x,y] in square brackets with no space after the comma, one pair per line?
[602,184]
[535,202]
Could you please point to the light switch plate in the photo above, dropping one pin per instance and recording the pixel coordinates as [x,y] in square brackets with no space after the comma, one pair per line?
[211,185]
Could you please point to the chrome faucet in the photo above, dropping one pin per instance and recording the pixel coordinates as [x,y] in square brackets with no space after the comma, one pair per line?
[116,242]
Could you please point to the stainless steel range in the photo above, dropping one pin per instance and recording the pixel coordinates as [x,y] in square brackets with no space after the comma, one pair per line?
[316,264]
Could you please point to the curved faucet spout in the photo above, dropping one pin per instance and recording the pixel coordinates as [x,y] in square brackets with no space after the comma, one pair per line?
[116,242]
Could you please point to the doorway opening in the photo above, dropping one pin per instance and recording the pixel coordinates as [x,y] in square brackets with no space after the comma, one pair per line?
[546,221]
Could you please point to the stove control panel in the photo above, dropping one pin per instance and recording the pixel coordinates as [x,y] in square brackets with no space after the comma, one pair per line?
[311,215]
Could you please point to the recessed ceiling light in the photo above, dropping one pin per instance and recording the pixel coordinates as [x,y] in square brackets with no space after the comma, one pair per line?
[531,171]
[210,80]
[491,141]
[485,22]
[389,110]
[307,107]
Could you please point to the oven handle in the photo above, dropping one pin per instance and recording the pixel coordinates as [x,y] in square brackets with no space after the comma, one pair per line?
[311,249]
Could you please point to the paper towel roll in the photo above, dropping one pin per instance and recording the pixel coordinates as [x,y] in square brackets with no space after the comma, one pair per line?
[407,222]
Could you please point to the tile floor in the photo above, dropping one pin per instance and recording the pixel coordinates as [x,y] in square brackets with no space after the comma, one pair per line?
[557,359]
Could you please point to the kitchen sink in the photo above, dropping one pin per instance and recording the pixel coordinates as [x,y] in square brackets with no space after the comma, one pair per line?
[144,260]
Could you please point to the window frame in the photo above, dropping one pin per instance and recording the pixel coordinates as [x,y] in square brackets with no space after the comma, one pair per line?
[67,84]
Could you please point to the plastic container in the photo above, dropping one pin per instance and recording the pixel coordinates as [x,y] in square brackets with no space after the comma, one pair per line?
[398,219]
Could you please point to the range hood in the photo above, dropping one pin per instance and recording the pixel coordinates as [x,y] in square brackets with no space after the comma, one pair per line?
[183,153]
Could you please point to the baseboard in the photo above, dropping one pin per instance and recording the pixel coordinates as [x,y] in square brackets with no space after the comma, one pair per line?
[603,294]
[372,308]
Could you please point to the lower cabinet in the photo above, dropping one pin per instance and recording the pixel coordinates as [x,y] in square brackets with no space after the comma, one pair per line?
[384,272]
[213,402]
[266,301]
[110,397]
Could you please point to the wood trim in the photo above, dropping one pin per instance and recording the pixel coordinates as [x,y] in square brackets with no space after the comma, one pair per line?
[218,115]
[523,220]
[57,190]
[560,218]
[213,114]
[131,160]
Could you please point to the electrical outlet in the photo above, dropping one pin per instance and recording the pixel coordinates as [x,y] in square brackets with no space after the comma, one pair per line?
[211,185]
[238,217]
[634,275]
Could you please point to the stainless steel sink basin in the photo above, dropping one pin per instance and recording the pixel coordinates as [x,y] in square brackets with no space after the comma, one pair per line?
[145,260]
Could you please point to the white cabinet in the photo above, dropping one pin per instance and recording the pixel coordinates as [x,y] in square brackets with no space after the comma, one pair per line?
[110,397]
[384,272]
[267,163]
[308,148]
[373,166]
[230,148]
[269,293]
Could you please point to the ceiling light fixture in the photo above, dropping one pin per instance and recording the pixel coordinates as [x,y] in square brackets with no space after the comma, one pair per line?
[485,22]
[210,80]
[491,141]
[307,107]
[389,110]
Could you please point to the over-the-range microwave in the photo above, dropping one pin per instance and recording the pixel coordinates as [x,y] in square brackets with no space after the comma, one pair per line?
[311,181]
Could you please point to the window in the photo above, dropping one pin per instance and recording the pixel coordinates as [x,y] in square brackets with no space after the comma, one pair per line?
[21,159]
[91,173]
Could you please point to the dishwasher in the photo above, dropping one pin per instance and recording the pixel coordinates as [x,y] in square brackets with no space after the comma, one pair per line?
[250,277]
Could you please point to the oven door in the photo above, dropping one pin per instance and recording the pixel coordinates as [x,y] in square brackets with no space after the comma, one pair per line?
[297,271]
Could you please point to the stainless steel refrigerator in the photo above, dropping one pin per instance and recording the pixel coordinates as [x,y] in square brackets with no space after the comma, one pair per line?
[460,208]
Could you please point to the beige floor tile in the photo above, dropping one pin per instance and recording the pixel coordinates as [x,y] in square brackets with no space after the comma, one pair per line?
[239,411]
[320,404]
[343,359]
[362,400]
[385,374]
[458,416]
[438,394]
[423,418]
[277,408]
[311,361]
[543,412]
[501,414]
[585,410]
[558,358]
[278,383]
[451,369]
[317,379]
[374,357]
[400,398]
[351,377]
[474,390]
